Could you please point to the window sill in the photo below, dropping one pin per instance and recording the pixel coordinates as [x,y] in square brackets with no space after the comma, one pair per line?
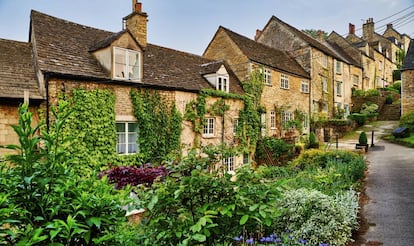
[208,136]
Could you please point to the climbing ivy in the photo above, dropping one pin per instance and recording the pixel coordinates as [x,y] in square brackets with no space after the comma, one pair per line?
[159,125]
[91,127]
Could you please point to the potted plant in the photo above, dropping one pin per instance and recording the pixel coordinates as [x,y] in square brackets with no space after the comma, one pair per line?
[362,141]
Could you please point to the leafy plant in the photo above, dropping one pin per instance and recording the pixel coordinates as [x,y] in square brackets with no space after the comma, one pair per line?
[271,147]
[407,120]
[50,201]
[122,176]
[312,142]
[363,140]
[388,99]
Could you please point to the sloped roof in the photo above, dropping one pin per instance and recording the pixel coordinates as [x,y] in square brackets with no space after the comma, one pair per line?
[64,47]
[306,38]
[342,53]
[266,55]
[409,58]
[17,72]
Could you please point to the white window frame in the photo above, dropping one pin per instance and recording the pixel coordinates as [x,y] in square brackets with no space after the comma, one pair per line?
[284,81]
[208,127]
[273,120]
[229,164]
[306,122]
[246,158]
[324,60]
[267,74]
[339,88]
[127,135]
[338,67]
[287,116]
[324,84]
[126,66]
[263,124]
[305,86]
[222,83]
[235,125]
[355,79]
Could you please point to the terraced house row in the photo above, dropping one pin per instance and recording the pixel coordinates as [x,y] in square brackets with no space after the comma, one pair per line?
[303,77]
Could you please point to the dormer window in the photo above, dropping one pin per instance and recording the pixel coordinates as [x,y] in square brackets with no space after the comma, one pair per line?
[126,64]
[222,83]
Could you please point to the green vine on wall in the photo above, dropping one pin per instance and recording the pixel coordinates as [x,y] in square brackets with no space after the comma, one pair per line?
[91,127]
[159,125]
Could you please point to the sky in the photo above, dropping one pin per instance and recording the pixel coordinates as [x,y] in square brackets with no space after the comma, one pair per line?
[189,25]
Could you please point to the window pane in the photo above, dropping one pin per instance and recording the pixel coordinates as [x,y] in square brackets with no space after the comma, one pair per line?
[120,127]
[132,127]
[133,65]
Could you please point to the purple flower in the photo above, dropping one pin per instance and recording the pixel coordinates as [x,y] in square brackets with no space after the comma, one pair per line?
[238,239]
[250,241]
[302,241]
[323,244]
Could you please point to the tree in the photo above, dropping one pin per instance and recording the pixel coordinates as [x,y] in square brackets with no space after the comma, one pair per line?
[316,34]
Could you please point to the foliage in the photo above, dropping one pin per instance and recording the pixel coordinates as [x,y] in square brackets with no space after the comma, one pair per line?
[312,141]
[159,125]
[316,34]
[400,56]
[360,119]
[91,128]
[388,99]
[369,109]
[407,120]
[122,176]
[200,206]
[372,93]
[357,92]
[319,218]
[275,146]
[48,200]
[397,85]
[363,138]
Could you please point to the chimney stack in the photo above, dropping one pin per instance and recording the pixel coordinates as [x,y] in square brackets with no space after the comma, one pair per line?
[258,32]
[368,30]
[351,28]
[136,23]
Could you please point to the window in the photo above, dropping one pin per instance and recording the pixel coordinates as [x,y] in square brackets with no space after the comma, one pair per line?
[324,60]
[380,65]
[284,81]
[229,163]
[126,64]
[305,122]
[263,124]
[338,67]
[127,136]
[272,119]
[324,84]
[222,84]
[346,110]
[305,86]
[339,88]
[246,158]
[235,125]
[286,117]
[355,79]
[208,129]
[267,76]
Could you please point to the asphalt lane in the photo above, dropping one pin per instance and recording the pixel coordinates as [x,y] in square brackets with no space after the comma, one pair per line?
[390,188]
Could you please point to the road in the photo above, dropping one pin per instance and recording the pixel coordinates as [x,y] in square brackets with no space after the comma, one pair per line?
[390,188]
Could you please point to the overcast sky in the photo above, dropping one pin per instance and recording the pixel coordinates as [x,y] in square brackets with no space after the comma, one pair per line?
[189,25]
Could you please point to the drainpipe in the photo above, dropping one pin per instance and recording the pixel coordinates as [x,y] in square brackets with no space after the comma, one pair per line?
[47,101]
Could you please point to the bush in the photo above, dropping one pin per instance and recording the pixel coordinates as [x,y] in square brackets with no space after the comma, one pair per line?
[388,99]
[276,146]
[363,138]
[372,93]
[318,218]
[360,119]
[369,109]
[312,142]
[397,86]
[407,120]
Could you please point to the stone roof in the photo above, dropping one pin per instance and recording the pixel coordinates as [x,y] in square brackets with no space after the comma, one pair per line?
[64,47]
[306,38]
[266,55]
[409,58]
[343,54]
[17,72]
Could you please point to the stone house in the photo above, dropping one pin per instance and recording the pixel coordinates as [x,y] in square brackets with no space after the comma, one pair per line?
[316,58]
[407,81]
[63,57]
[381,49]
[17,84]
[285,95]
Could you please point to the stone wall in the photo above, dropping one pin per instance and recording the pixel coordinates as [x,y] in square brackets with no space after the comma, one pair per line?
[407,91]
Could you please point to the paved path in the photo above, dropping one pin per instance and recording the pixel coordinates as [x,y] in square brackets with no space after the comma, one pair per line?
[390,188]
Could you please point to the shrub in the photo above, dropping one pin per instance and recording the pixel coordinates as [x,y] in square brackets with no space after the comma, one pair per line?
[372,93]
[312,142]
[397,86]
[369,109]
[357,93]
[388,99]
[407,120]
[360,119]
[363,138]
[275,146]
[318,218]
[122,176]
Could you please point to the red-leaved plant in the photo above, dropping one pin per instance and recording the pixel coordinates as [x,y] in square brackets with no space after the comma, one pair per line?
[122,176]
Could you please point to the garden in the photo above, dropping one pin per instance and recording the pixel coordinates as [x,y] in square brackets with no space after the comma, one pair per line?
[47,199]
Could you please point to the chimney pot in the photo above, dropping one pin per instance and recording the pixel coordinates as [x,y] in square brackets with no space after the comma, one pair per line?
[138,7]
[258,32]
[351,28]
